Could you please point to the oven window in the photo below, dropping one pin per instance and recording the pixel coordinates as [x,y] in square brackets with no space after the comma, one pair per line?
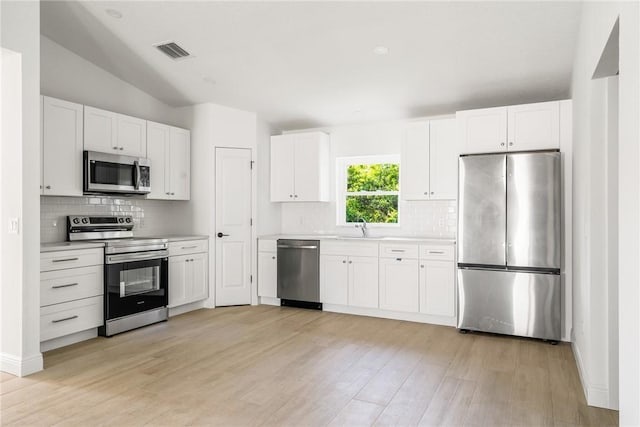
[112,173]
[139,280]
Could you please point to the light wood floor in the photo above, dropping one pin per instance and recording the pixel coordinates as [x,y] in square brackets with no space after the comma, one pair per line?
[284,366]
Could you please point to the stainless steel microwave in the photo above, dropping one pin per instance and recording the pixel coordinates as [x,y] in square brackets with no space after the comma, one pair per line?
[112,173]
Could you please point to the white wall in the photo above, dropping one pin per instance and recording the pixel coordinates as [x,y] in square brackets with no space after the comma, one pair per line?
[216,126]
[68,76]
[20,29]
[269,214]
[592,313]
[417,218]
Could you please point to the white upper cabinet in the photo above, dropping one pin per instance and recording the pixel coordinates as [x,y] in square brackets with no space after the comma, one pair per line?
[514,128]
[179,164]
[282,168]
[414,168]
[443,160]
[132,136]
[300,167]
[429,169]
[110,132]
[158,152]
[533,126]
[61,132]
[169,150]
[100,130]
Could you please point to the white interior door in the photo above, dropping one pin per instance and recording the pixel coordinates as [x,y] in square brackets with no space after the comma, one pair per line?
[233,226]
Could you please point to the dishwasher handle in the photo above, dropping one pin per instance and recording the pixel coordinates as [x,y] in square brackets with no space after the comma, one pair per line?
[297,247]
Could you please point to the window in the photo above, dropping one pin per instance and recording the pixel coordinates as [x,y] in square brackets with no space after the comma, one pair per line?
[368,188]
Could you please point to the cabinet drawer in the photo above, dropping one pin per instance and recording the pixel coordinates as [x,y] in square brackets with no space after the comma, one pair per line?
[72,284]
[348,248]
[437,252]
[188,247]
[267,245]
[398,250]
[60,260]
[70,317]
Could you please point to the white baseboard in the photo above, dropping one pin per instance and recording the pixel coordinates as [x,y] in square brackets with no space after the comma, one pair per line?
[68,339]
[269,301]
[595,395]
[396,315]
[21,366]
[181,309]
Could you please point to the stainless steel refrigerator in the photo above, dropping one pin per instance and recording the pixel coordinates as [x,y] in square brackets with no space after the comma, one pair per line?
[509,244]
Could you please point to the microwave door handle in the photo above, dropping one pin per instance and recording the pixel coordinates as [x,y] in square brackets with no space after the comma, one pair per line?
[137,174]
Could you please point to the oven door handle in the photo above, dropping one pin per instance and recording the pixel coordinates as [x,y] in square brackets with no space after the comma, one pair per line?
[137,174]
[143,256]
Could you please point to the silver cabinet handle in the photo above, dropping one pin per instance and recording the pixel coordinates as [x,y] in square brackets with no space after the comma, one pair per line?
[190,247]
[421,265]
[511,144]
[426,193]
[65,259]
[398,259]
[66,318]
[297,247]
[502,144]
[121,148]
[432,193]
[290,195]
[350,262]
[397,250]
[173,194]
[63,286]
[167,193]
[48,187]
[186,260]
[295,196]
[115,148]
[344,261]
[436,252]
[273,257]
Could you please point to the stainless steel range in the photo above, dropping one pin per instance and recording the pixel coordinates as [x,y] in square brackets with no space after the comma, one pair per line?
[135,271]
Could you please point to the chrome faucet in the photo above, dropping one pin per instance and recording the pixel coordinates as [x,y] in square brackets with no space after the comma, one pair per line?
[362,227]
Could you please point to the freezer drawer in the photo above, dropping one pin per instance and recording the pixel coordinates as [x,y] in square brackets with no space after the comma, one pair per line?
[507,302]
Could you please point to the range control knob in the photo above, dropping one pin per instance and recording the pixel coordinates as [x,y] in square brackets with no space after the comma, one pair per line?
[128,220]
[76,221]
[120,220]
[85,220]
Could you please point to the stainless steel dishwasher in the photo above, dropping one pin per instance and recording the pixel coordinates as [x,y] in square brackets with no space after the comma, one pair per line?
[299,273]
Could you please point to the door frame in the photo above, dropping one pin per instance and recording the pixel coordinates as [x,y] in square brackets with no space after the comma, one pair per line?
[210,302]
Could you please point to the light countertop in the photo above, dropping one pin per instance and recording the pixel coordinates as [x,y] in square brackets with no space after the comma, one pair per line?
[66,246]
[417,239]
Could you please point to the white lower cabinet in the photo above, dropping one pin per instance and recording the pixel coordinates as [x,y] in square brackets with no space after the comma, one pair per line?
[187,273]
[268,274]
[71,295]
[399,284]
[334,279]
[437,288]
[363,281]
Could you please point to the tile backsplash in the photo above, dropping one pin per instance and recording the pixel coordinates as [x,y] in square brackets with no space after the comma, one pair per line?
[437,218]
[150,217]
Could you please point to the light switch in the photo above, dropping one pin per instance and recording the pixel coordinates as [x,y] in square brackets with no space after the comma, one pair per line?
[14,225]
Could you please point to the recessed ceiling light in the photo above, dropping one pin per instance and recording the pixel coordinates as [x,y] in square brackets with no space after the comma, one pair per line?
[357,111]
[380,50]
[114,13]
[209,80]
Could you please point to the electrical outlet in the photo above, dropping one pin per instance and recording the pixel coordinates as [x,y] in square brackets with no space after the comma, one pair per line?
[14,225]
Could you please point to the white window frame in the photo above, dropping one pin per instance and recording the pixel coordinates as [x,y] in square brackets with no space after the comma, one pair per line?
[342,163]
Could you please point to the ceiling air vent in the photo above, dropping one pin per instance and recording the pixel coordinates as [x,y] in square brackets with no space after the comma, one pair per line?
[172,50]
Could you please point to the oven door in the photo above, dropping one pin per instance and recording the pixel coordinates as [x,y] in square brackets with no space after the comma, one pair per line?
[135,286]
[109,173]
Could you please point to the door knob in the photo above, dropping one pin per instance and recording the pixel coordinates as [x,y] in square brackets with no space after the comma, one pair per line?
[222,235]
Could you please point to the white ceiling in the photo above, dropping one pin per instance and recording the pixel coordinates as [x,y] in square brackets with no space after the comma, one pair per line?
[307,64]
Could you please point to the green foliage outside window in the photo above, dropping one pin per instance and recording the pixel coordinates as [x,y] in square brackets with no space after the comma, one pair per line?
[373,208]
